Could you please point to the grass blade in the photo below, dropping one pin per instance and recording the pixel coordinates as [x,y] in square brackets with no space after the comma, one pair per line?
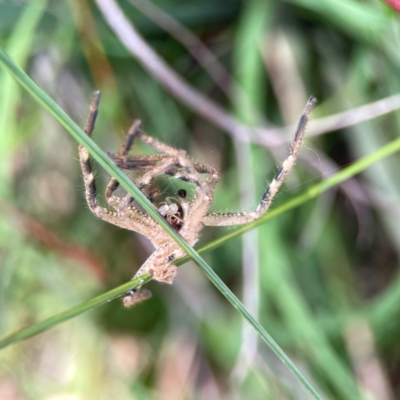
[107,164]
[64,316]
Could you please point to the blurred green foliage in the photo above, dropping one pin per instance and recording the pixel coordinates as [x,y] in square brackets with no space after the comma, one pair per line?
[328,286]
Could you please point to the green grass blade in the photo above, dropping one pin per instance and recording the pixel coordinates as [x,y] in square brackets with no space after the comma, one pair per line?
[19,47]
[107,164]
[72,312]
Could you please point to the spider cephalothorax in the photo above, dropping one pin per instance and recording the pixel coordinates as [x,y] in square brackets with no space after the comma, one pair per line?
[187,217]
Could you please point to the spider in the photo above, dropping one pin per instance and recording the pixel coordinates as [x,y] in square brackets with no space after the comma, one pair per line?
[186,217]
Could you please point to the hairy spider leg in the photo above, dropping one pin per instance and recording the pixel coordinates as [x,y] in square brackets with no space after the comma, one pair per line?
[138,221]
[228,219]
[160,266]
[199,206]
[113,184]
[143,163]
[123,205]
[146,163]
[135,221]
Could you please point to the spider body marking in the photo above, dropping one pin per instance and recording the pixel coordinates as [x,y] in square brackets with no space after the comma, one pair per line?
[187,217]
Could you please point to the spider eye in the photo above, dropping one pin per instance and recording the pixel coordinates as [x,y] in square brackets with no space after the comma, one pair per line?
[182,193]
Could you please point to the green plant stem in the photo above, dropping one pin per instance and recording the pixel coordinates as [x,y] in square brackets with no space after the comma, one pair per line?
[72,312]
[107,164]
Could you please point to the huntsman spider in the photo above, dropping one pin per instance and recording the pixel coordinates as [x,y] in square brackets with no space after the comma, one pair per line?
[186,217]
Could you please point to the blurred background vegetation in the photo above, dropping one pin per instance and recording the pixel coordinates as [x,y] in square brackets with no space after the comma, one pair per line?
[322,278]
